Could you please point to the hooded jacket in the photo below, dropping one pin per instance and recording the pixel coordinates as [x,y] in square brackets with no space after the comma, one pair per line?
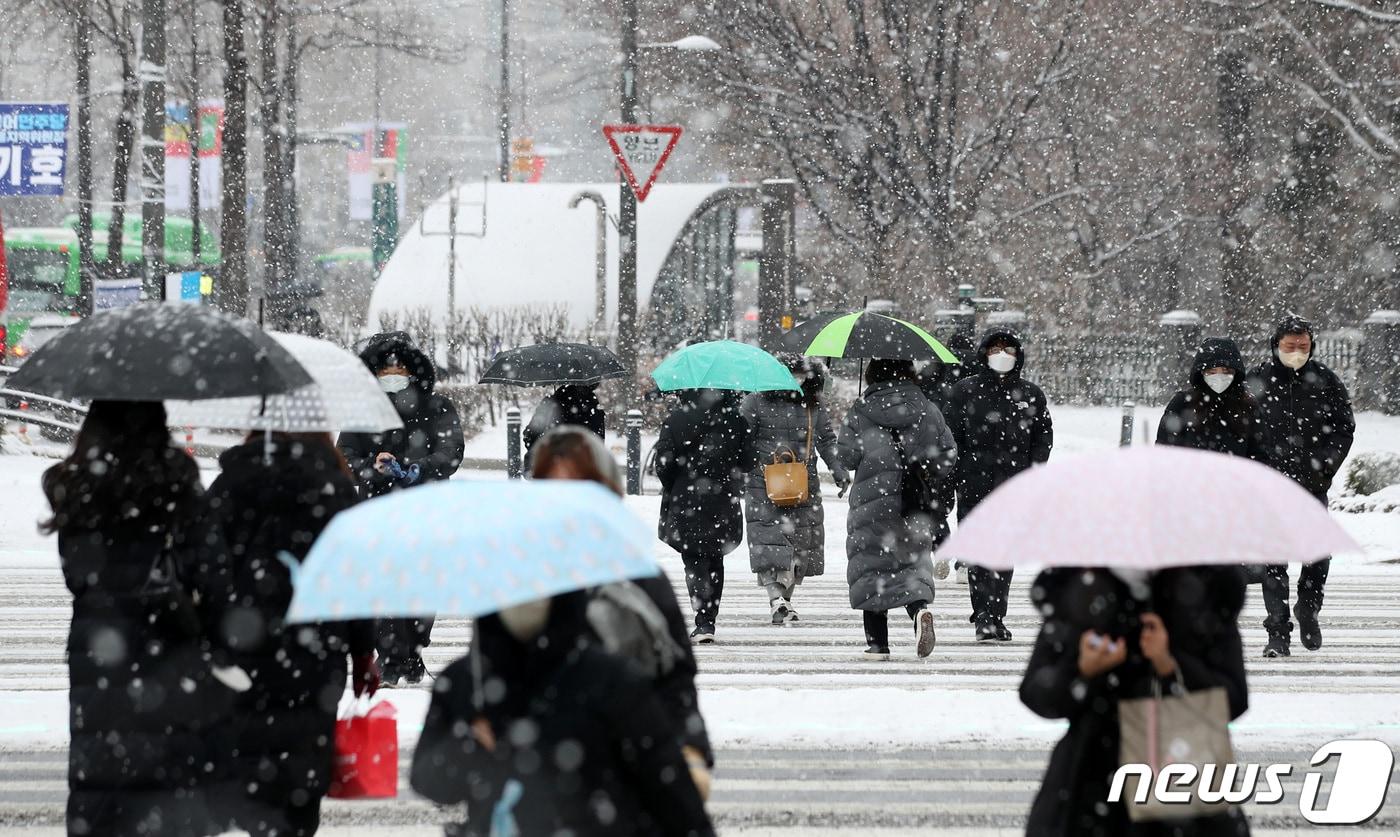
[571,404]
[1001,424]
[431,437]
[889,432]
[579,735]
[1304,415]
[700,462]
[1199,417]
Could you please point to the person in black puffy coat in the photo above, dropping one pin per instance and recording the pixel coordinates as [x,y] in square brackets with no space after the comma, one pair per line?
[1215,412]
[150,740]
[1307,425]
[1002,426]
[575,404]
[539,731]
[1101,643]
[272,498]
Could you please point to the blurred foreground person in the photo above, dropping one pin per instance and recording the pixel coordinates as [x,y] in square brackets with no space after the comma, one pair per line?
[148,714]
[1111,635]
[273,497]
[700,462]
[1215,412]
[1306,420]
[788,544]
[639,619]
[1002,426]
[897,447]
[540,732]
[575,404]
[429,447]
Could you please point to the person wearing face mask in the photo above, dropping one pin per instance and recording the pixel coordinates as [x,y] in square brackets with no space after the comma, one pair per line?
[1306,422]
[1002,426]
[1215,412]
[540,731]
[428,448]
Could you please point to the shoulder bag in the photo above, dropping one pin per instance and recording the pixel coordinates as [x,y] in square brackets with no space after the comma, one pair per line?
[786,479]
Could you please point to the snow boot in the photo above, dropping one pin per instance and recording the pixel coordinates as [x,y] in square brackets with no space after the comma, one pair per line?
[703,635]
[390,674]
[415,671]
[792,611]
[924,639]
[962,574]
[878,650]
[1003,633]
[782,614]
[1308,628]
[1277,647]
[986,628]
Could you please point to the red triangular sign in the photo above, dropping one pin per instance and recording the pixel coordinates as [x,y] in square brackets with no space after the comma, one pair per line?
[641,152]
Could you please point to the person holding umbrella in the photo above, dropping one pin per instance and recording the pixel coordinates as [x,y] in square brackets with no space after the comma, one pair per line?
[1002,426]
[788,544]
[428,448]
[899,450]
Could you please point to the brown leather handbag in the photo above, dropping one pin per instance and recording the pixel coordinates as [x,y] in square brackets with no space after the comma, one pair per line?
[785,479]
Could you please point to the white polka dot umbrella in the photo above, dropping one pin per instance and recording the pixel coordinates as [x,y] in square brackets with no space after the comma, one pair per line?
[1147,507]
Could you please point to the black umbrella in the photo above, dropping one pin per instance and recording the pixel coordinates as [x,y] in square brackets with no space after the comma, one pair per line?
[160,351]
[863,334]
[552,365]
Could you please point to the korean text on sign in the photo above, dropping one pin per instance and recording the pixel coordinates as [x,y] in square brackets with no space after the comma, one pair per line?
[33,148]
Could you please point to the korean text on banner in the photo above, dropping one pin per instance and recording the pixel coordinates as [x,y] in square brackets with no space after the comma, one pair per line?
[33,148]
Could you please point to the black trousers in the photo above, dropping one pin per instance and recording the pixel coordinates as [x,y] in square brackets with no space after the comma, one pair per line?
[877,626]
[704,580]
[989,590]
[399,641]
[1311,582]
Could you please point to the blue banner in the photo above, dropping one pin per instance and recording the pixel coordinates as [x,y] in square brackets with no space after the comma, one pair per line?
[33,148]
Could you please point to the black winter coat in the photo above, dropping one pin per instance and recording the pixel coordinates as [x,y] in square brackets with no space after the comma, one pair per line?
[700,462]
[571,404]
[889,542]
[1198,417]
[1001,424]
[1200,609]
[578,732]
[432,433]
[676,689]
[149,725]
[286,722]
[1306,420]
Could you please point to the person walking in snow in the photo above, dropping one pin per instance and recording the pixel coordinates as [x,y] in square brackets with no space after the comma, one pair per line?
[1112,635]
[272,498]
[787,545]
[1002,426]
[1215,412]
[150,739]
[428,448]
[700,458]
[1307,425]
[575,404]
[897,447]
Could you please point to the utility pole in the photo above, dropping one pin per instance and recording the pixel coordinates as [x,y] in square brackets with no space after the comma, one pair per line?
[152,75]
[627,217]
[84,59]
[196,230]
[232,285]
[503,105]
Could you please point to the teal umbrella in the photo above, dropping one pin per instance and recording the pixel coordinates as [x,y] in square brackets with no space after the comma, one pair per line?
[723,364]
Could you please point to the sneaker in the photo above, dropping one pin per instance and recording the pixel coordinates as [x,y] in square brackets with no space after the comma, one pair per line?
[962,574]
[1308,629]
[1277,647]
[703,635]
[792,611]
[782,614]
[390,676]
[878,650]
[1003,633]
[986,629]
[923,633]
[416,671]
[940,570]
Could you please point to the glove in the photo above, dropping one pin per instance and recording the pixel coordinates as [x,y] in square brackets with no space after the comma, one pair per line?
[699,771]
[365,677]
[843,483]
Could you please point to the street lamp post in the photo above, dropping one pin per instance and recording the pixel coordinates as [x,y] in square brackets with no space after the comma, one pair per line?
[627,217]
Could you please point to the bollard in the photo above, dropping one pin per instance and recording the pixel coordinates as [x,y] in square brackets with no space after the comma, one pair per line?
[513,469]
[634,451]
[24,425]
[1125,430]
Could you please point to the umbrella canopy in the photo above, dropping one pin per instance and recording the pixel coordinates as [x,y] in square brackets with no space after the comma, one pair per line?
[865,335]
[1149,508]
[344,397]
[461,548]
[160,351]
[553,365]
[723,364]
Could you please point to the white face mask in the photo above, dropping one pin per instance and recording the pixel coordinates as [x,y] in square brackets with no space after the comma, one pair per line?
[393,383]
[1293,360]
[1220,381]
[527,621]
[1001,363]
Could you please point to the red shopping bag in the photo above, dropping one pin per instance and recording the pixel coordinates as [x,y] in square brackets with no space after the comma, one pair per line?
[367,753]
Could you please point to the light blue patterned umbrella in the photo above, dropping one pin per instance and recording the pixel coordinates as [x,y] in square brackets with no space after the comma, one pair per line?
[466,549]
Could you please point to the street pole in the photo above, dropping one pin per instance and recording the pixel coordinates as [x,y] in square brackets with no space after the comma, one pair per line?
[451,255]
[195,228]
[627,217]
[152,74]
[503,105]
[84,58]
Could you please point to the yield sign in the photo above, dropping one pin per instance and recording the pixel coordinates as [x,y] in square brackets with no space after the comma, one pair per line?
[642,151]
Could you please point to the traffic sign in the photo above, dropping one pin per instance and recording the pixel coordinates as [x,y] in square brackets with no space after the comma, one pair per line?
[642,151]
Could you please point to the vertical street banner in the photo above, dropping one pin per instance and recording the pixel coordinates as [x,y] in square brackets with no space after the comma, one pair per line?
[359,167]
[33,148]
[179,155]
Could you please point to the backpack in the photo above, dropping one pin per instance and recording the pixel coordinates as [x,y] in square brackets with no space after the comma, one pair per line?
[631,626]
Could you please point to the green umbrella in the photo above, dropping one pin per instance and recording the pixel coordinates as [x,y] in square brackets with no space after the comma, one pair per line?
[723,364]
[865,335]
